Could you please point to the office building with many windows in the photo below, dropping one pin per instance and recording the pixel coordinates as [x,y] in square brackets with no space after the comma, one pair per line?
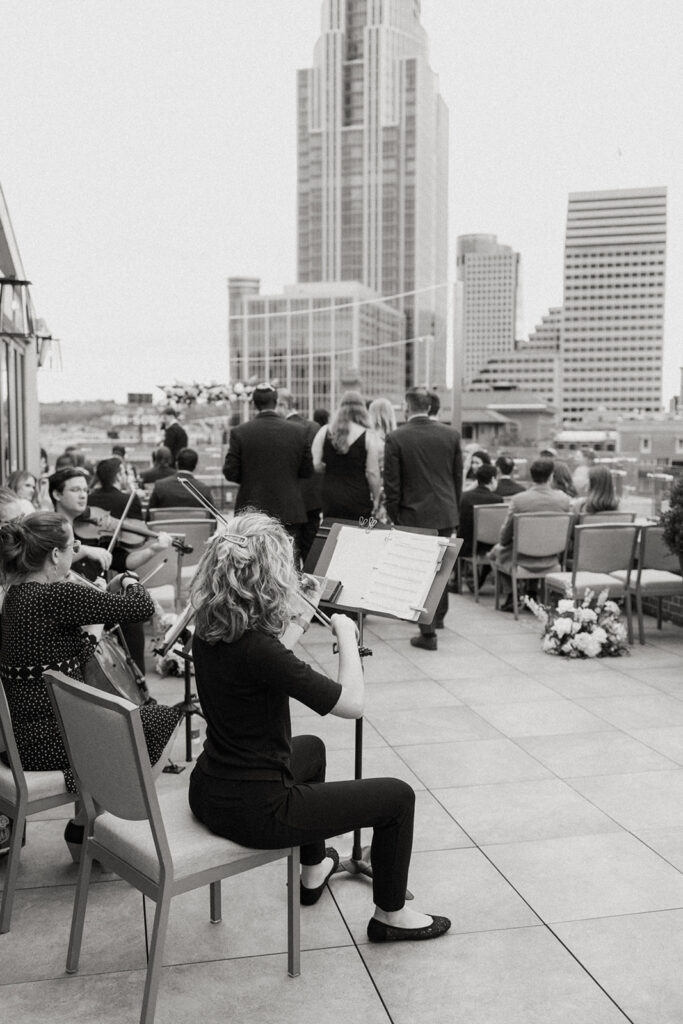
[613,322]
[373,169]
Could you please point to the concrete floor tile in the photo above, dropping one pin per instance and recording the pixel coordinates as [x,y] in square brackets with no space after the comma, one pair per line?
[637,801]
[504,687]
[521,811]
[636,712]
[45,860]
[595,753]
[637,959]
[667,740]
[471,763]
[539,718]
[337,733]
[541,665]
[447,663]
[667,842]
[600,684]
[664,680]
[576,877]
[378,762]
[517,976]
[459,884]
[431,725]
[397,694]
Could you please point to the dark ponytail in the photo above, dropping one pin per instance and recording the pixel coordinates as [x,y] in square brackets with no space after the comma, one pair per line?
[26,543]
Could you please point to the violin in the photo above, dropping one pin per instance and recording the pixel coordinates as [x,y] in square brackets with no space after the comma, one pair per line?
[130,533]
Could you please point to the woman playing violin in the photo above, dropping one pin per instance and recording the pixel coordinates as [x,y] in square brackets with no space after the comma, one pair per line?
[256,784]
[69,493]
[42,622]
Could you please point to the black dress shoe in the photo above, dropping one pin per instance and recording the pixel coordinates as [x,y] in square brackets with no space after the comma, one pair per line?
[508,606]
[427,643]
[380,932]
[307,897]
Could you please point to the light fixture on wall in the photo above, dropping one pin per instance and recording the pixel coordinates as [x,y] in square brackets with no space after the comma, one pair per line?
[16,309]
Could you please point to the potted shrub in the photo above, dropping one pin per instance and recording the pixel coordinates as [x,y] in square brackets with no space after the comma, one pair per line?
[672,521]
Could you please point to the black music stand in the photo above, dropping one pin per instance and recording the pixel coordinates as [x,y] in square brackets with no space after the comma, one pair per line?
[180,632]
[359,862]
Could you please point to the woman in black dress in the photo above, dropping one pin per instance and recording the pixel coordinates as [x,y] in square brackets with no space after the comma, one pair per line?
[42,628]
[256,784]
[347,452]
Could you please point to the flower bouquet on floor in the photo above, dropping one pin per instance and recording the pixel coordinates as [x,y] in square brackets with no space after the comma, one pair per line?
[587,628]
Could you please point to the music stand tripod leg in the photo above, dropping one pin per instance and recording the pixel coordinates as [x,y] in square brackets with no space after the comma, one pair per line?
[188,707]
[359,861]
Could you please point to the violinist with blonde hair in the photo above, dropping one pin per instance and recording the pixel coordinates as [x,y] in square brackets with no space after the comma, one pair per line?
[256,784]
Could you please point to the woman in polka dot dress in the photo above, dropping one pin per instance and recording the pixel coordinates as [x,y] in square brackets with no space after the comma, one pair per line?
[42,620]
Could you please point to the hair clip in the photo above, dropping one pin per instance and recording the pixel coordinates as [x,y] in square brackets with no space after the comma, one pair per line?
[367,524]
[235,538]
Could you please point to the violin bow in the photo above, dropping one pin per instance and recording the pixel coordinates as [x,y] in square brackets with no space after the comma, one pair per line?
[119,527]
[203,501]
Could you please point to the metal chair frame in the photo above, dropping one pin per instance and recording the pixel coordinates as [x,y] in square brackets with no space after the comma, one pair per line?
[525,541]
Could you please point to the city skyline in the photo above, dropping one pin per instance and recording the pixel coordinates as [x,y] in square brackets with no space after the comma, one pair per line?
[151,154]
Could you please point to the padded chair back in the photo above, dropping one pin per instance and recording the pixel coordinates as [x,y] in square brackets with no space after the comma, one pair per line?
[655,553]
[178,512]
[103,737]
[604,548]
[586,518]
[195,531]
[488,520]
[169,573]
[540,534]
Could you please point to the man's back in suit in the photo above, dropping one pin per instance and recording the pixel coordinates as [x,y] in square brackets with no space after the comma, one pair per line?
[423,474]
[170,493]
[267,457]
[507,487]
[540,497]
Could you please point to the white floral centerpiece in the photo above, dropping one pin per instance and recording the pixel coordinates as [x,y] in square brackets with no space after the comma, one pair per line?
[588,628]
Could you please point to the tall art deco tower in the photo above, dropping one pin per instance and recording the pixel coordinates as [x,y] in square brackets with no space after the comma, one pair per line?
[373,169]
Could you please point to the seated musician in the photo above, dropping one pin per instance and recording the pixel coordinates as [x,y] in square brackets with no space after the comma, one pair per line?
[112,490]
[256,784]
[69,493]
[42,621]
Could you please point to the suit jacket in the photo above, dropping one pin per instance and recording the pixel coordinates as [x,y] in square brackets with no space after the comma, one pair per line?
[170,493]
[175,438]
[506,487]
[538,498]
[114,501]
[312,486]
[423,474]
[479,496]
[150,476]
[268,457]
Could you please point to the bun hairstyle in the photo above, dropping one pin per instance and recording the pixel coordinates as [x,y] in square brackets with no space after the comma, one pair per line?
[26,543]
[245,580]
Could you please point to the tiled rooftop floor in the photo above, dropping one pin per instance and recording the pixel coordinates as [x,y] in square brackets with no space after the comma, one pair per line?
[549,829]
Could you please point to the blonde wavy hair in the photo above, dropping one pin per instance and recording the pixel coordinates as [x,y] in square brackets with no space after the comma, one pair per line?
[246,580]
[351,410]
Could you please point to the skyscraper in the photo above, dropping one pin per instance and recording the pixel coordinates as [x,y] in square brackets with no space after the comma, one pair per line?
[612,331]
[488,280]
[373,168]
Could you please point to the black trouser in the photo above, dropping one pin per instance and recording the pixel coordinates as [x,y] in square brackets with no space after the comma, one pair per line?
[269,815]
[309,531]
[442,607]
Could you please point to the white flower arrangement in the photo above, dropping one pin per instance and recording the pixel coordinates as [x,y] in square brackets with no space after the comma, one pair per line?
[170,664]
[588,628]
[188,394]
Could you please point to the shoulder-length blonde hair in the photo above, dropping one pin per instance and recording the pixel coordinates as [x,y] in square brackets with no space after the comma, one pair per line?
[249,586]
[351,410]
[382,416]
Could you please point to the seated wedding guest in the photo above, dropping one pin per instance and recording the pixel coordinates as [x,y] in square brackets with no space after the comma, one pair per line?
[485,493]
[12,506]
[539,497]
[42,622]
[27,487]
[473,460]
[161,466]
[601,496]
[168,491]
[321,416]
[586,458]
[110,492]
[256,784]
[130,480]
[65,461]
[506,486]
[561,479]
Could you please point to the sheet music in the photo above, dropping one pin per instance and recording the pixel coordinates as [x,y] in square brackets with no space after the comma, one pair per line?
[386,571]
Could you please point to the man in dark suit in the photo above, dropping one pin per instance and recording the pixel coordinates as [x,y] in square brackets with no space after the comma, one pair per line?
[161,466]
[506,485]
[422,484]
[312,486]
[484,493]
[175,437]
[170,493]
[268,457]
[109,494]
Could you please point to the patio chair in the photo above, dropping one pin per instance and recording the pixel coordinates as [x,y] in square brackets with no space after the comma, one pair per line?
[658,576]
[178,512]
[196,533]
[153,842]
[22,793]
[599,552]
[535,535]
[169,575]
[488,520]
[589,519]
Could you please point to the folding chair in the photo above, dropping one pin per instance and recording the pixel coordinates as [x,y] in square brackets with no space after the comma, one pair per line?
[488,520]
[535,535]
[196,533]
[178,512]
[599,552]
[22,793]
[153,842]
[658,576]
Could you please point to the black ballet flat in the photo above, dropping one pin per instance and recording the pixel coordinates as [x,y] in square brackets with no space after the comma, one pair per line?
[307,897]
[73,837]
[378,931]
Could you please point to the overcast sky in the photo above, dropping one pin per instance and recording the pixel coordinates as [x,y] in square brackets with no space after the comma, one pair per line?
[147,152]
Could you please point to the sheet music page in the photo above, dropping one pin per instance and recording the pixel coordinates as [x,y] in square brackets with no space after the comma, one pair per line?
[402,576]
[352,560]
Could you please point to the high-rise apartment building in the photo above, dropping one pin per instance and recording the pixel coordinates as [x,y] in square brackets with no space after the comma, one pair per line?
[613,323]
[373,168]
[487,275]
